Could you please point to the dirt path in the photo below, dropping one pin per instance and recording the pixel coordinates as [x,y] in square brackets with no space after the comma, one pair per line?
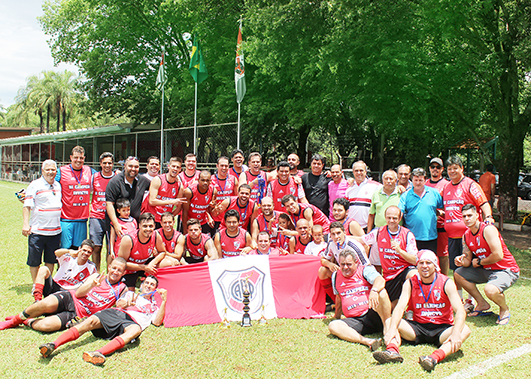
[520,240]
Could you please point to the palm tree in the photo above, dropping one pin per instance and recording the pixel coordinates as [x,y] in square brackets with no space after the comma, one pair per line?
[62,90]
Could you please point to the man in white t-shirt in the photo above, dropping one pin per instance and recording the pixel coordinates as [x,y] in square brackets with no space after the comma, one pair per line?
[359,194]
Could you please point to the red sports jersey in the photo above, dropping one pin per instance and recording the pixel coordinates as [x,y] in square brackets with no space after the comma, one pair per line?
[232,246]
[429,302]
[169,243]
[245,212]
[98,205]
[225,188]
[479,247]
[354,292]
[346,225]
[198,251]
[199,203]
[392,263]
[440,187]
[277,190]
[129,226]
[167,191]
[455,196]
[270,227]
[75,188]
[232,172]
[98,298]
[255,191]
[186,180]
[283,241]
[318,217]
[299,246]
[141,252]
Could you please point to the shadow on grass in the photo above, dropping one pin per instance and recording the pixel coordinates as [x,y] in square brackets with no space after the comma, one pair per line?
[21,289]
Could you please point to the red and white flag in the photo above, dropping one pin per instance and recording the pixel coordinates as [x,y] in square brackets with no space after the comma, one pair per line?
[279,286]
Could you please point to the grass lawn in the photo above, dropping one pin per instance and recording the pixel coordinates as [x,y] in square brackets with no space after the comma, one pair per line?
[282,348]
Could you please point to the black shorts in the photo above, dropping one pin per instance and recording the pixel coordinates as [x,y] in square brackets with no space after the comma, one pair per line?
[131,279]
[369,323]
[38,244]
[113,322]
[394,286]
[427,333]
[206,229]
[192,260]
[66,309]
[455,249]
[427,245]
[50,286]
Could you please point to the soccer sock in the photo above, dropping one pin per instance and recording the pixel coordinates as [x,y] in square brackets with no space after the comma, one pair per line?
[112,346]
[13,322]
[392,347]
[438,355]
[327,285]
[70,335]
[38,289]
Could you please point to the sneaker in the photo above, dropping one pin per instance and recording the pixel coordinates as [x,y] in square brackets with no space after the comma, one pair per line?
[73,322]
[427,363]
[47,349]
[94,357]
[376,344]
[387,356]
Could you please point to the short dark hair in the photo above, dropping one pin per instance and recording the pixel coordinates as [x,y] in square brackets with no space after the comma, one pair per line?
[317,157]
[287,198]
[106,155]
[245,185]
[286,217]
[337,224]
[232,213]
[88,242]
[223,157]
[153,157]
[343,202]
[189,155]
[167,214]
[283,164]
[489,167]
[264,234]
[176,159]
[193,221]
[469,206]
[122,202]
[454,159]
[154,278]
[236,151]
[144,217]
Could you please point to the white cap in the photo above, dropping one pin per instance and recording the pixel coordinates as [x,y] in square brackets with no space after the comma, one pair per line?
[428,255]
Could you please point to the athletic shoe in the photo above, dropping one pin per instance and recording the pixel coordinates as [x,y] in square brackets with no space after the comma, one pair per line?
[427,363]
[94,357]
[47,349]
[387,356]
[376,344]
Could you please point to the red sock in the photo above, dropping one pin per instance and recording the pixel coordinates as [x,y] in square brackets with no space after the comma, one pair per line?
[70,335]
[38,289]
[112,346]
[438,355]
[13,322]
[392,347]
[327,285]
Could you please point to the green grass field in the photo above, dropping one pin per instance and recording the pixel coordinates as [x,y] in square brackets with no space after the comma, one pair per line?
[280,349]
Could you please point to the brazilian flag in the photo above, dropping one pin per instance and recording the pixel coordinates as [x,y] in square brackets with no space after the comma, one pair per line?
[197,67]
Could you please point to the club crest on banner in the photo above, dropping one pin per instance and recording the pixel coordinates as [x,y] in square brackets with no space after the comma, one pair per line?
[232,284]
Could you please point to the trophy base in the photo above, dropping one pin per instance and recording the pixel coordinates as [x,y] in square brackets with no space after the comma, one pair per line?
[246,321]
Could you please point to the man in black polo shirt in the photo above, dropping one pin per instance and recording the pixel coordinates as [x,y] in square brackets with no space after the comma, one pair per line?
[127,184]
[315,184]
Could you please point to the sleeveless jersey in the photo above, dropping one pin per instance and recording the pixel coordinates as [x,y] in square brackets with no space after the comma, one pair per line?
[232,172]
[75,187]
[141,252]
[437,308]
[264,226]
[225,188]
[276,191]
[70,275]
[440,187]
[145,309]
[245,212]
[98,206]
[98,298]
[299,246]
[454,197]
[318,216]
[199,203]
[283,242]
[232,246]
[167,191]
[199,251]
[354,292]
[346,225]
[169,244]
[186,180]
[129,226]
[392,263]
[255,190]
[479,247]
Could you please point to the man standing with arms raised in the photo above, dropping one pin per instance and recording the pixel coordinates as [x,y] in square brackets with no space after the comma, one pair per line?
[315,184]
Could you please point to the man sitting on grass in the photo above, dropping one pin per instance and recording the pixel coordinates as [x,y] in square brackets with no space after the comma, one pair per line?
[121,325]
[433,298]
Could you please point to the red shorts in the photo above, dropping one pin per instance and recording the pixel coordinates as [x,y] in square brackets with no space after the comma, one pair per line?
[442,244]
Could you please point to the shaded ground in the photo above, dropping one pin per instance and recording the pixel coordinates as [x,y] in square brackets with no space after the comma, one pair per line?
[520,240]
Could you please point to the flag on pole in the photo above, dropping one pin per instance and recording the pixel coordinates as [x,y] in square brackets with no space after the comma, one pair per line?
[239,70]
[161,76]
[285,287]
[197,67]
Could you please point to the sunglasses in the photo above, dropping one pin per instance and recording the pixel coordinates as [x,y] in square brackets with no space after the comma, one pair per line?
[131,158]
[436,167]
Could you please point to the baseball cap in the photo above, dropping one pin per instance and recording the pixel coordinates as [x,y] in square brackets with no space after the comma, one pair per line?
[437,160]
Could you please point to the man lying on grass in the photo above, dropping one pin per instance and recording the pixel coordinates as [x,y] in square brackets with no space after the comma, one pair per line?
[121,325]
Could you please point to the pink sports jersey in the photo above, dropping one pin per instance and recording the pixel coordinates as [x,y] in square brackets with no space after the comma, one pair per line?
[318,217]
[141,252]
[187,180]
[98,298]
[232,246]
[467,191]
[98,205]
[75,186]
[167,191]
[354,292]
[429,302]
[245,212]
[479,247]
[199,203]
[169,244]
[225,188]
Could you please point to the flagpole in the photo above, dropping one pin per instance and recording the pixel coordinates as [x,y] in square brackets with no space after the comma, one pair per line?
[162,129]
[195,121]
[238,138]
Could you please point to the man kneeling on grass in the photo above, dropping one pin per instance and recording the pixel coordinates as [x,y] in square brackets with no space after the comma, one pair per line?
[433,298]
[361,296]
[121,325]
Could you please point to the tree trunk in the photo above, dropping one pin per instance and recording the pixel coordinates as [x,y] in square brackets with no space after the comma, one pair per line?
[304,132]
[58,111]
[64,120]
[48,110]
[511,150]
[41,122]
